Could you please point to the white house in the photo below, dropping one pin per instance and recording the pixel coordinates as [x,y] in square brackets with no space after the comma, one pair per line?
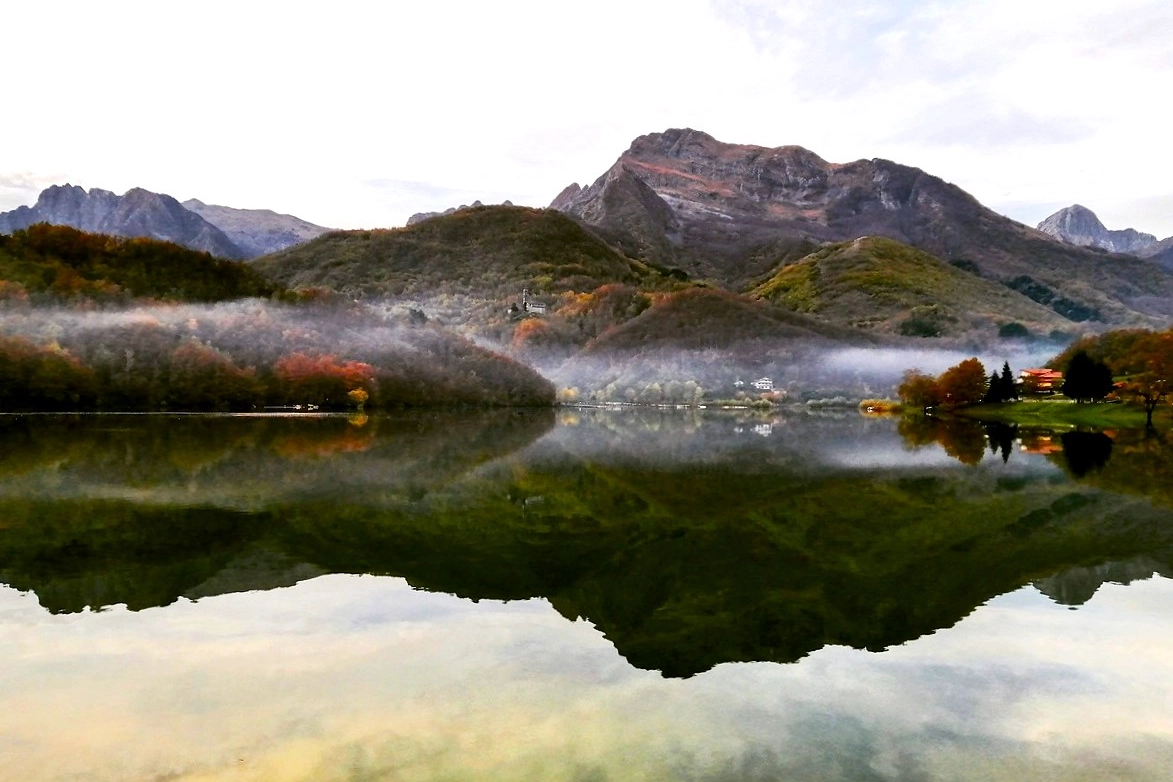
[531,307]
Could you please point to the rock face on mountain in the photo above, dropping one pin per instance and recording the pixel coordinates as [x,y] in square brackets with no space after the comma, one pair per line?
[1079,225]
[735,213]
[219,230]
[256,232]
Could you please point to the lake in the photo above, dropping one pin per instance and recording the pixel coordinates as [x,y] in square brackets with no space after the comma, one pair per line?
[582,595]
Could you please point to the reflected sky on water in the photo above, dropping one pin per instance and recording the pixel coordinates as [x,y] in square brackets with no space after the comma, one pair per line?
[652,561]
[352,677]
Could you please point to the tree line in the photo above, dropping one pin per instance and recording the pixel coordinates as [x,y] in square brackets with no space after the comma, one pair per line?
[243,358]
[51,263]
[1130,365]
[964,384]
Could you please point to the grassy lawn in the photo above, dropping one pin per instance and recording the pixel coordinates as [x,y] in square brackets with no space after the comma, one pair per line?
[1061,413]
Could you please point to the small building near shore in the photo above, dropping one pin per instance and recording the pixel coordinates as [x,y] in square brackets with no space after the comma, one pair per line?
[1040,380]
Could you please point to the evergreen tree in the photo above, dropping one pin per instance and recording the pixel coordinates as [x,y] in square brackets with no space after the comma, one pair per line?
[994,392]
[1008,389]
[1087,379]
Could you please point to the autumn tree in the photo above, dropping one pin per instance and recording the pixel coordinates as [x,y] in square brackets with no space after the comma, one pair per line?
[36,377]
[203,378]
[963,384]
[1150,386]
[320,379]
[919,390]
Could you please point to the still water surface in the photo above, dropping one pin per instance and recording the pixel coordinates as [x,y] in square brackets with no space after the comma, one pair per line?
[587,596]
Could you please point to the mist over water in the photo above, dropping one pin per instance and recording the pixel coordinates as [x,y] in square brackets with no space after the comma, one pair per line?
[886,365]
[800,370]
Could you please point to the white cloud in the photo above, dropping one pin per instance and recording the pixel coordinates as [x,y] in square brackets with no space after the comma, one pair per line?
[266,105]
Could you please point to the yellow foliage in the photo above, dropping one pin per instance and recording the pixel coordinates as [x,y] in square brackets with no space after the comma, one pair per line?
[358,397]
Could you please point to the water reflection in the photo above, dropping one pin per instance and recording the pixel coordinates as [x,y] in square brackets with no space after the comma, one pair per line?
[560,599]
[1085,451]
[689,540]
[1076,585]
[1130,461]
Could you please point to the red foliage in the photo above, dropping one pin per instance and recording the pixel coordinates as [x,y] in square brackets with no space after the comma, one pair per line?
[320,379]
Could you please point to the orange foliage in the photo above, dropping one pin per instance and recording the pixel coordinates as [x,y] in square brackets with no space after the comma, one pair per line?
[321,379]
[306,444]
[299,367]
[529,331]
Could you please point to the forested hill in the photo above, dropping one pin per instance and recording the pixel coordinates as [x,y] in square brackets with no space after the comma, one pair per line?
[883,285]
[53,262]
[487,251]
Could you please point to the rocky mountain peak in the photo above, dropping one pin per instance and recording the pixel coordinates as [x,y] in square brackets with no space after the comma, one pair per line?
[674,141]
[683,198]
[1074,220]
[1079,225]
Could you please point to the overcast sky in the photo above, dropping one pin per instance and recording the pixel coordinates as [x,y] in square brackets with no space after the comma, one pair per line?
[358,114]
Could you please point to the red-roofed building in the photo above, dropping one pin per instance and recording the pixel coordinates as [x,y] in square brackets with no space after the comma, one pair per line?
[1040,381]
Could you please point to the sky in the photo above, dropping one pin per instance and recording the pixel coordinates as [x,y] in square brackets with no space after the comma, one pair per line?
[359,114]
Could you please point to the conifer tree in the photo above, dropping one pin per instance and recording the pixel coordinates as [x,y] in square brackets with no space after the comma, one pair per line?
[1007,387]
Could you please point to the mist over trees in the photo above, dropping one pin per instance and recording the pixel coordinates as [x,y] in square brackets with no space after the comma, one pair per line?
[247,355]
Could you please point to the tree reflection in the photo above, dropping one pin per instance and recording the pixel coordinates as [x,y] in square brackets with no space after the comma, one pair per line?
[686,544]
[917,431]
[963,440]
[1001,437]
[1084,452]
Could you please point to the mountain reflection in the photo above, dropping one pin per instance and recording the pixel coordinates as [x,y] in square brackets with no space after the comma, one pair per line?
[688,539]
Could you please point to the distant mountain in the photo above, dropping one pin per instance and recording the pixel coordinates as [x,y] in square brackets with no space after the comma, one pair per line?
[138,213]
[885,286]
[1079,225]
[219,230]
[736,213]
[419,217]
[256,232]
[486,251]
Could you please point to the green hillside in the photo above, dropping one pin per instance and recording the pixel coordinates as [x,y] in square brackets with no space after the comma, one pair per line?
[700,318]
[489,252]
[885,286]
[52,262]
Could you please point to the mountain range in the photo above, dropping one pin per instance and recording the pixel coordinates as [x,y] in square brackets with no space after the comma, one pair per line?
[222,231]
[736,213]
[867,246]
